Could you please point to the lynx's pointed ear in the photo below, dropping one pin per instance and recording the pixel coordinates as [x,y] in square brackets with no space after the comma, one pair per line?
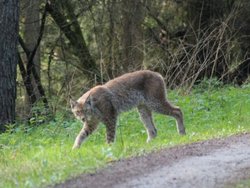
[73,103]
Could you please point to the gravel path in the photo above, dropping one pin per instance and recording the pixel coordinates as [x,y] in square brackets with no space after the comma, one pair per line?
[213,163]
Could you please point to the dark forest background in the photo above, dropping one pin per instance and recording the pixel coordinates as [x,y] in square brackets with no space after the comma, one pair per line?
[61,48]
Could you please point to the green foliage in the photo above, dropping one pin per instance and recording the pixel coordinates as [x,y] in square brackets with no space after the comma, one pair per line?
[243,184]
[208,84]
[42,155]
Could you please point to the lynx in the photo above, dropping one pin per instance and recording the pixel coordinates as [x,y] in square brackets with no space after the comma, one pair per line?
[142,89]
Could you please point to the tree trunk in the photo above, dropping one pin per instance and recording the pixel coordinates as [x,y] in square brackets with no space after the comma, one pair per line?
[132,38]
[69,25]
[30,70]
[31,34]
[9,17]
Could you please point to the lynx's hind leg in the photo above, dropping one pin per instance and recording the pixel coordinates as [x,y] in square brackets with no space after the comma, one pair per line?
[146,118]
[167,108]
[87,129]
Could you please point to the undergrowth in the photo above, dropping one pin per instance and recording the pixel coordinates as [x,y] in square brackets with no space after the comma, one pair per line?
[37,156]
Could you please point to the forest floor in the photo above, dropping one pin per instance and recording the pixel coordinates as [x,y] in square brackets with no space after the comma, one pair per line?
[213,163]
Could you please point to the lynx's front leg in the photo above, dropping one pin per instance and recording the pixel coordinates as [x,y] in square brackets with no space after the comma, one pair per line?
[111,130]
[87,129]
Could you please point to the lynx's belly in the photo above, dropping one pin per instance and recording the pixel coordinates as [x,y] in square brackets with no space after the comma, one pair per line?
[124,101]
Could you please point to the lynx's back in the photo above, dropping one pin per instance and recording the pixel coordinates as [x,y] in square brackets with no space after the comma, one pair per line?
[133,89]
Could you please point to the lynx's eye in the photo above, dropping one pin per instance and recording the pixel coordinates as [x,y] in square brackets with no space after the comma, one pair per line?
[79,113]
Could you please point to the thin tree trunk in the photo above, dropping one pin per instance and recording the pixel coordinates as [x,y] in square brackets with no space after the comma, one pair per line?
[132,34]
[31,34]
[112,64]
[9,17]
[69,25]
[30,70]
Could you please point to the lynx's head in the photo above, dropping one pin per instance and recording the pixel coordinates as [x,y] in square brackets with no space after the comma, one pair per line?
[81,111]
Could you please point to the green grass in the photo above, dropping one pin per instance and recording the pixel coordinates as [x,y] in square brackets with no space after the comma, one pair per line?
[243,184]
[40,156]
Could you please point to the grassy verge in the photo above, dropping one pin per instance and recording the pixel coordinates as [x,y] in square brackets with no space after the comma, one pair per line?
[39,156]
[243,184]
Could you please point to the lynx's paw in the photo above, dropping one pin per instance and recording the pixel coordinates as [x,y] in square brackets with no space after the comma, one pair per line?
[75,146]
[182,131]
[149,139]
[151,134]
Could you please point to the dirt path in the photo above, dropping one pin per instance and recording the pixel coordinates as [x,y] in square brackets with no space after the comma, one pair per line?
[212,163]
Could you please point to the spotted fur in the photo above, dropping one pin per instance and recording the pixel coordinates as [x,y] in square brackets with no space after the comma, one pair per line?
[142,89]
